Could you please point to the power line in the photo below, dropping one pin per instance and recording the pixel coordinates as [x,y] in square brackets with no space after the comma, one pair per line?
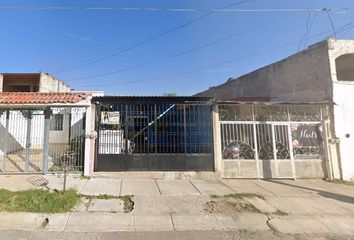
[330,20]
[306,32]
[151,9]
[151,38]
[185,52]
[215,65]
[310,29]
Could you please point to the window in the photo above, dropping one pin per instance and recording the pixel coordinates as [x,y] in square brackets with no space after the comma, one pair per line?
[56,122]
[345,67]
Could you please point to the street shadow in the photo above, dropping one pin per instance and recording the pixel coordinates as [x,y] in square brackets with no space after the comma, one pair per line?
[326,194]
[266,169]
[38,181]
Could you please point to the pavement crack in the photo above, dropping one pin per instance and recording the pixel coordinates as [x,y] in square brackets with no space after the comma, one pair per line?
[173,224]
[157,186]
[195,187]
[83,187]
[120,188]
[269,224]
[224,184]
[264,187]
[88,204]
[66,223]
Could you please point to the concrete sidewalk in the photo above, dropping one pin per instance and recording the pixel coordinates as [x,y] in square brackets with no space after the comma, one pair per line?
[113,222]
[307,206]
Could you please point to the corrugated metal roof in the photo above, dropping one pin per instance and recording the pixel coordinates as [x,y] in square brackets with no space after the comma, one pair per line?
[41,98]
[144,99]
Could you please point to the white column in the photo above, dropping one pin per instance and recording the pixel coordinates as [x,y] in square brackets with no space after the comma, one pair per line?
[88,151]
[217,141]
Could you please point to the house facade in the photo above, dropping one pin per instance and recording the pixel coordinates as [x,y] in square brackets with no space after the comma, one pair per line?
[29,101]
[43,132]
[322,73]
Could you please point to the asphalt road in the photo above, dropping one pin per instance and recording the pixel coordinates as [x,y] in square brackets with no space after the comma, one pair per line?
[173,235]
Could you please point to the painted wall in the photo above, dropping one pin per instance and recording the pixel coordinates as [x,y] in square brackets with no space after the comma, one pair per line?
[308,76]
[18,129]
[343,98]
[301,77]
[49,83]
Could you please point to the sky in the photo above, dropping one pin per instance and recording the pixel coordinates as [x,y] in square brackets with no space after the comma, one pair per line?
[125,52]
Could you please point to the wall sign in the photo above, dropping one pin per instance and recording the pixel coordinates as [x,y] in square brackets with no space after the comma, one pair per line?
[109,117]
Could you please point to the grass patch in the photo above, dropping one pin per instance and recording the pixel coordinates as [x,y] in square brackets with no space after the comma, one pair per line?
[128,203]
[37,200]
[345,182]
[105,196]
[239,196]
[250,207]
[244,195]
[83,177]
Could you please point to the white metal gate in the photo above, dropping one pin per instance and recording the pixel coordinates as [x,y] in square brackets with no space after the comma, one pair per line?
[37,141]
[276,147]
[259,150]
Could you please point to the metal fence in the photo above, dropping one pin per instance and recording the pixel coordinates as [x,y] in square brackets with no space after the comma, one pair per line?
[158,128]
[286,133]
[41,140]
[156,135]
[67,139]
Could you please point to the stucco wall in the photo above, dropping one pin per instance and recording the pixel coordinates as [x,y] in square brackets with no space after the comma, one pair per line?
[343,109]
[304,76]
[308,76]
[49,83]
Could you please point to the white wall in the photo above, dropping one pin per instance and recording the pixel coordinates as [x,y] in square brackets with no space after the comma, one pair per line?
[18,129]
[344,124]
[343,97]
[49,83]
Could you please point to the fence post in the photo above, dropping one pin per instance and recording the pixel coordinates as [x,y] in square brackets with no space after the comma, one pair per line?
[327,151]
[218,163]
[291,151]
[88,140]
[28,139]
[255,139]
[275,152]
[185,128]
[46,139]
[6,139]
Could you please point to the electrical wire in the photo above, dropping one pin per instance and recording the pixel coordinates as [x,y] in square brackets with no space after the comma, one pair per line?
[310,29]
[149,39]
[144,9]
[234,35]
[211,66]
[330,20]
[306,31]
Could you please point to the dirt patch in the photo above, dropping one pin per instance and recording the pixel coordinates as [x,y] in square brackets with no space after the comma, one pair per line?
[228,206]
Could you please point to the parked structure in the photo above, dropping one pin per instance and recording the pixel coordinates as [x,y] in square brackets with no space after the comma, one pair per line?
[322,73]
